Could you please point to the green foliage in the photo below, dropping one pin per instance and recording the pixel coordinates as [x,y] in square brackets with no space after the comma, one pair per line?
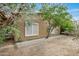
[8,9]
[28,22]
[2,35]
[57,15]
[67,26]
[13,29]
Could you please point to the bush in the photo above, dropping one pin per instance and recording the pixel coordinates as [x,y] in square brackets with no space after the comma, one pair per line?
[67,25]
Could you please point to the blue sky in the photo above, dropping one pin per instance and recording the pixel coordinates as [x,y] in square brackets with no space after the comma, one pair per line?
[73,9]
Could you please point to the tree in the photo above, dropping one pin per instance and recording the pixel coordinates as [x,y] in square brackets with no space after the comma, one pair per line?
[9,15]
[55,15]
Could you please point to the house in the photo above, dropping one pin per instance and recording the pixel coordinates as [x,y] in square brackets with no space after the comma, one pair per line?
[36,29]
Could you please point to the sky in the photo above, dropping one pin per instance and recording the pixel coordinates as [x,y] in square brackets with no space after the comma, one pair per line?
[73,9]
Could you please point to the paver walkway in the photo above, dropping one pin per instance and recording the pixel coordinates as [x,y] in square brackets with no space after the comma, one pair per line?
[56,45]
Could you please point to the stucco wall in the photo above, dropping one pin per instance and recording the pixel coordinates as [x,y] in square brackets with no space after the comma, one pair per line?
[56,31]
[42,27]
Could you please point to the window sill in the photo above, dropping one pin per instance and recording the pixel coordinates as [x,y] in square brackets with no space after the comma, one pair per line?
[32,35]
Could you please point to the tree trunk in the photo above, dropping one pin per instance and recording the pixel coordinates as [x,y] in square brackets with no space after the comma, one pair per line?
[49,30]
[61,30]
[48,34]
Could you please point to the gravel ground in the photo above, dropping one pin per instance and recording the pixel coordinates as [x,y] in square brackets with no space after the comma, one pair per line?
[53,46]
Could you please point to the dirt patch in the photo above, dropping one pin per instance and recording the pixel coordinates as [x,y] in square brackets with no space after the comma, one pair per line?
[57,45]
[7,42]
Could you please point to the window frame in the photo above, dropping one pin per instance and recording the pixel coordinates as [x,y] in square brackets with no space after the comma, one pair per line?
[32,30]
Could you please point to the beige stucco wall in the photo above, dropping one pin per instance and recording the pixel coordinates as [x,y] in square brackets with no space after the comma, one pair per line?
[42,27]
[56,30]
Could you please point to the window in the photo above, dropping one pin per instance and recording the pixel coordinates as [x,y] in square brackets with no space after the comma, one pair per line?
[31,30]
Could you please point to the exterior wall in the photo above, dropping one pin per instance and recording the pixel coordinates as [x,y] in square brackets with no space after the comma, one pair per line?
[21,27]
[42,28]
[56,31]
